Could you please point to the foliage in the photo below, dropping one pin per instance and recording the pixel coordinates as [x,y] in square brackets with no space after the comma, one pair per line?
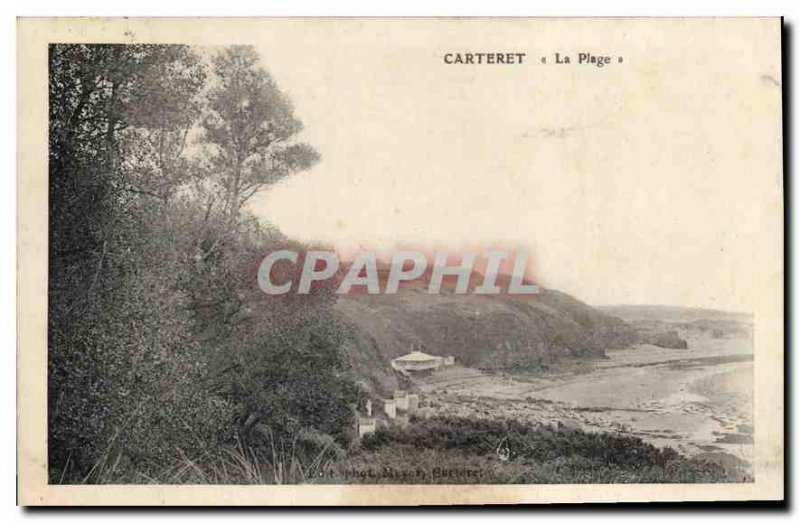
[537,454]
[297,461]
[160,347]
[249,129]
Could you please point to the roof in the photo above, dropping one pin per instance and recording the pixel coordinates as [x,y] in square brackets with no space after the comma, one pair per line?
[417,357]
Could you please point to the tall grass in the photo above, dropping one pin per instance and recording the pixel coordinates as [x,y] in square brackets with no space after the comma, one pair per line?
[429,451]
[271,460]
[536,455]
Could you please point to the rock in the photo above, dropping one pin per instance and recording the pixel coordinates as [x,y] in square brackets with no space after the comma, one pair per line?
[569,425]
[664,339]
[670,339]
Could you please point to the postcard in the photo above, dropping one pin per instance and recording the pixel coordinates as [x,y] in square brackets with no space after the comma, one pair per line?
[400,261]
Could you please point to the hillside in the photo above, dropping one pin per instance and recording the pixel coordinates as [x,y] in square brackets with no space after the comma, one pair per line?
[652,321]
[674,314]
[490,332]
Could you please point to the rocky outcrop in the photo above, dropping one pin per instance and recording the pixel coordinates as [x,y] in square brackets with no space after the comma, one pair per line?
[663,339]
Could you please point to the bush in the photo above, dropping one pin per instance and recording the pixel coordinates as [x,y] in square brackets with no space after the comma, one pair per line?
[162,352]
[543,455]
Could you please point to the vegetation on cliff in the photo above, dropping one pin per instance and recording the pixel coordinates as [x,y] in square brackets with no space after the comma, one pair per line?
[488,332]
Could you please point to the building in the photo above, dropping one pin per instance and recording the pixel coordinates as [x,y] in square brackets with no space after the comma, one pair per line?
[366,425]
[401,399]
[396,411]
[417,361]
[413,403]
[406,402]
[390,408]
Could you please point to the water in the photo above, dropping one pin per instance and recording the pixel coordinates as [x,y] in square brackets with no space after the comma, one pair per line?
[696,401]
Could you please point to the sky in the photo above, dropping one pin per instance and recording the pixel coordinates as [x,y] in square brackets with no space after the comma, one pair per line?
[652,181]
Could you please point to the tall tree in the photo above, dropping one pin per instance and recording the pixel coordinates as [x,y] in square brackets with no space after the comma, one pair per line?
[280,363]
[119,360]
[152,348]
[251,130]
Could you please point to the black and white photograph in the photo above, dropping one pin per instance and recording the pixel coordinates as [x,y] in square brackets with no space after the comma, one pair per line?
[335,253]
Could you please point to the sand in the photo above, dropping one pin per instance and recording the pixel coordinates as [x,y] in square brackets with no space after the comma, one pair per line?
[696,401]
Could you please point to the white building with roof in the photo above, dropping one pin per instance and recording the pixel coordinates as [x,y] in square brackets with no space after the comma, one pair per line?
[418,361]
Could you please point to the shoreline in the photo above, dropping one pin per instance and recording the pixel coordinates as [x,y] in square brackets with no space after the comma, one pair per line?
[695,401]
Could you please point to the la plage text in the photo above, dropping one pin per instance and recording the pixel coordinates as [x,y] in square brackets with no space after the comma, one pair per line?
[484,58]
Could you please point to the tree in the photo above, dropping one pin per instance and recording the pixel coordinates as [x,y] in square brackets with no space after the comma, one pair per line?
[279,362]
[250,128]
[152,348]
[120,347]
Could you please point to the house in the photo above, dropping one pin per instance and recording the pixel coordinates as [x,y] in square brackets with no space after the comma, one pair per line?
[390,408]
[401,399]
[418,361]
[396,411]
[406,402]
[366,425]
[413,403]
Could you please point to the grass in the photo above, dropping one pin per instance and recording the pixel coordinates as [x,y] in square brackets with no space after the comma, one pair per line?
[441,450]
[452,451]
[270,461]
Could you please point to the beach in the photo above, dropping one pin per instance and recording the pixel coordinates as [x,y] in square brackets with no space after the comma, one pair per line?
[696,401]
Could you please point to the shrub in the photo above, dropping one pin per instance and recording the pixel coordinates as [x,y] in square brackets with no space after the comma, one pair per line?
[549,456]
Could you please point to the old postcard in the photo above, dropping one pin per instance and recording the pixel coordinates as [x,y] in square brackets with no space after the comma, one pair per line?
[400,261]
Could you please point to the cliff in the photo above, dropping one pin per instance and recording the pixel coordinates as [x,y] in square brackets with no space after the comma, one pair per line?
[488,332]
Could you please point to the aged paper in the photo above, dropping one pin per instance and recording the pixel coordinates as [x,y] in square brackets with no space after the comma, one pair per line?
[399,261]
